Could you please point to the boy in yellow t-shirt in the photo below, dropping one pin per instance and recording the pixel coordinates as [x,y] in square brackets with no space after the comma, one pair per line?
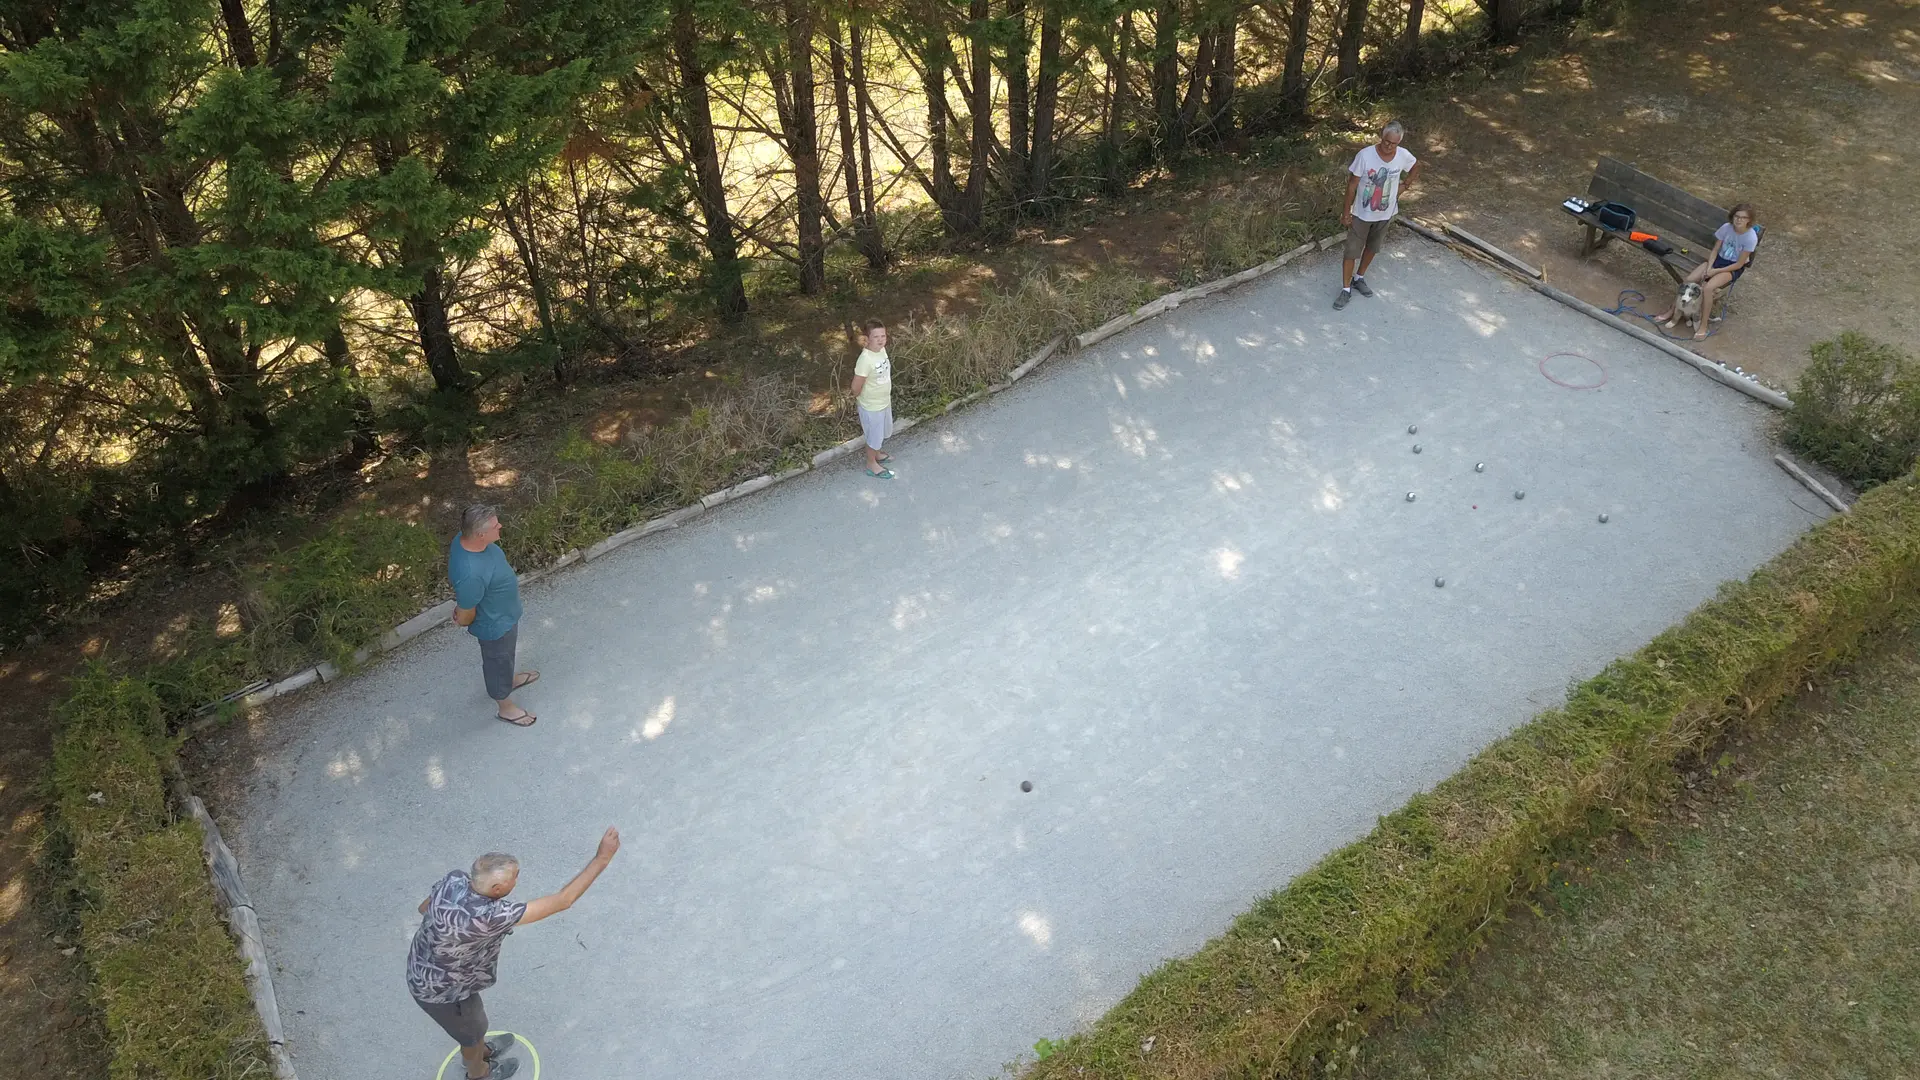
[873,396]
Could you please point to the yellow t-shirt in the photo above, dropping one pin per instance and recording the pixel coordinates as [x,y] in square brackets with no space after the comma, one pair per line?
[876,395]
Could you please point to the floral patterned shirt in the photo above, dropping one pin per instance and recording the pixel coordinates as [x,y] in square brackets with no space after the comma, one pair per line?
[458,944]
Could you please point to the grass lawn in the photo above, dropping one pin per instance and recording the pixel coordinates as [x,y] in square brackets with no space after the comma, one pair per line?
[1769,926]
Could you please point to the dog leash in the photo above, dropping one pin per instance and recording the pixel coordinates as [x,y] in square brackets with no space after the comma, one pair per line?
[1623,306]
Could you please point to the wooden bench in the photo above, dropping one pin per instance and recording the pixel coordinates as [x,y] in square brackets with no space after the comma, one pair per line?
[1685,221]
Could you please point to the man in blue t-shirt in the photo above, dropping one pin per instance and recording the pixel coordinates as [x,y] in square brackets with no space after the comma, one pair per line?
[486,598]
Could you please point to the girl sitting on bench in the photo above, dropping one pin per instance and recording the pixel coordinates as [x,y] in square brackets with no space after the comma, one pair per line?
[1734,244]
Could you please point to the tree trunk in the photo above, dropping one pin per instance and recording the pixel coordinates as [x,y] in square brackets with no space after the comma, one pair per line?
[429,307]
[933,81]
[1166,78]
[340,359]
[1019,107]
[843,112]
[1197,80]
[803,145]
[980,54]
[1506,21]
[1046,100]
[1293,76]
[873,244]
[239,33]
[1352,35]
[1221,82]
[696,120]
[1410,37]
[525,241]
[1115,139]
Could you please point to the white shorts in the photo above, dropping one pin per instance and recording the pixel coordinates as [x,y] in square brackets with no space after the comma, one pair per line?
[876,425]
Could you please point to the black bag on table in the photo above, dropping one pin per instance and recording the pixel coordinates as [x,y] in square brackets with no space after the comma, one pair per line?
[1618,217]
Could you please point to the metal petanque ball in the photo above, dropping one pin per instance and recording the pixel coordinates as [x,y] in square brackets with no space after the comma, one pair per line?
[1416,448]
[1519,494]
[1439,583]
[1603,519]
[1480,466]
[1413,429]
[1409,496]
[1026,785]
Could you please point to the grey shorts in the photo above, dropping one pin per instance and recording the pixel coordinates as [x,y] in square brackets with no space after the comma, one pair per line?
[876,425]
[465,1020]
[1365,236]
[496,664]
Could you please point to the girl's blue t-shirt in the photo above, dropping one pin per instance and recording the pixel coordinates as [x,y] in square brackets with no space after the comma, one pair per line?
[1733,244]
[482,580]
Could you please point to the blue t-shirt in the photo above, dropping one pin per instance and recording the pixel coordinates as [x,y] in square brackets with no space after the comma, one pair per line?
[1733,244]
[483,580]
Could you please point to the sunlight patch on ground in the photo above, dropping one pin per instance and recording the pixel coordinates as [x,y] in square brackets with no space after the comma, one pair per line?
[1227,561]
[1035,926]
[656,723]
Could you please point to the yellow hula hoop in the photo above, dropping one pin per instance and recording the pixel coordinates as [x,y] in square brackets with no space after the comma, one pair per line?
[519,1039]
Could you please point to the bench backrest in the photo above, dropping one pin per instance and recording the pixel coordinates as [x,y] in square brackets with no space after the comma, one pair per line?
[1676,213]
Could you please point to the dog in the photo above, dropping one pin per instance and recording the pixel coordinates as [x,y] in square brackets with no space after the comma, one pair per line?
[1687,306]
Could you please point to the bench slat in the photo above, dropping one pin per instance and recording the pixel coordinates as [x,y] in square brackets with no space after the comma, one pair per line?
[1683,215]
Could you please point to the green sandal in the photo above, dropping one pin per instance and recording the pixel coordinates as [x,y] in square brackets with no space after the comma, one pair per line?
[883,474]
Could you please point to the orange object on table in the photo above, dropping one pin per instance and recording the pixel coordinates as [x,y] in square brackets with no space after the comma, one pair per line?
[1642,237]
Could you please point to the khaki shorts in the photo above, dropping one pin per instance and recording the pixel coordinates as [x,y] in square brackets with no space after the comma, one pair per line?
[1365,236]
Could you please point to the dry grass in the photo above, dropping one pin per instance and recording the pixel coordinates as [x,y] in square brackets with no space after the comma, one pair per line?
[1768,926]
[167,980]
[1241,226]
[937,361]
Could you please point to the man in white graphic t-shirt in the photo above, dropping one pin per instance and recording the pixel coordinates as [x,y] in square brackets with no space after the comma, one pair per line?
[1374,181]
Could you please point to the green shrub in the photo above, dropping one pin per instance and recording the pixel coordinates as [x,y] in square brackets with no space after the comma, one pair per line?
[342,589]
[1295,982]
[1856,410]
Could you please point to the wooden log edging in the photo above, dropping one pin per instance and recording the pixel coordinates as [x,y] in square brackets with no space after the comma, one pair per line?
[1746,384]
[1815,486]
[236,907]
[1511,261]
[1162,305]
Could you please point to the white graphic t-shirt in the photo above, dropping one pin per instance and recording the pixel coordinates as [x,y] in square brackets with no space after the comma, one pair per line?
[1378,196]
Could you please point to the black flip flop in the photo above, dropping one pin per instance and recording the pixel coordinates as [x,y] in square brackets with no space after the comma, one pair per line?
[532,677]
[525,719]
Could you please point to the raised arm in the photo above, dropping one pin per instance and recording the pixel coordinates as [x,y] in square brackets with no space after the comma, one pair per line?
[558,902]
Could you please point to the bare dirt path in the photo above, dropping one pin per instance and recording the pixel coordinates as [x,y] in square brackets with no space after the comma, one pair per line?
[1802,107]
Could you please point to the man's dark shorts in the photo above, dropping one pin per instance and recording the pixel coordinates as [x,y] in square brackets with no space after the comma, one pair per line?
[496,664]
[465,1020]
[1364,236]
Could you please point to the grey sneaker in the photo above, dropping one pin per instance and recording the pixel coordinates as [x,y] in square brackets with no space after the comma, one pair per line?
[502,1069]
[1360,286]
[1341,301]
[499,1044]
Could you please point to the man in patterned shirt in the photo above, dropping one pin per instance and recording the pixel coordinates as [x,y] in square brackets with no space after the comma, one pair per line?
[455,951]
